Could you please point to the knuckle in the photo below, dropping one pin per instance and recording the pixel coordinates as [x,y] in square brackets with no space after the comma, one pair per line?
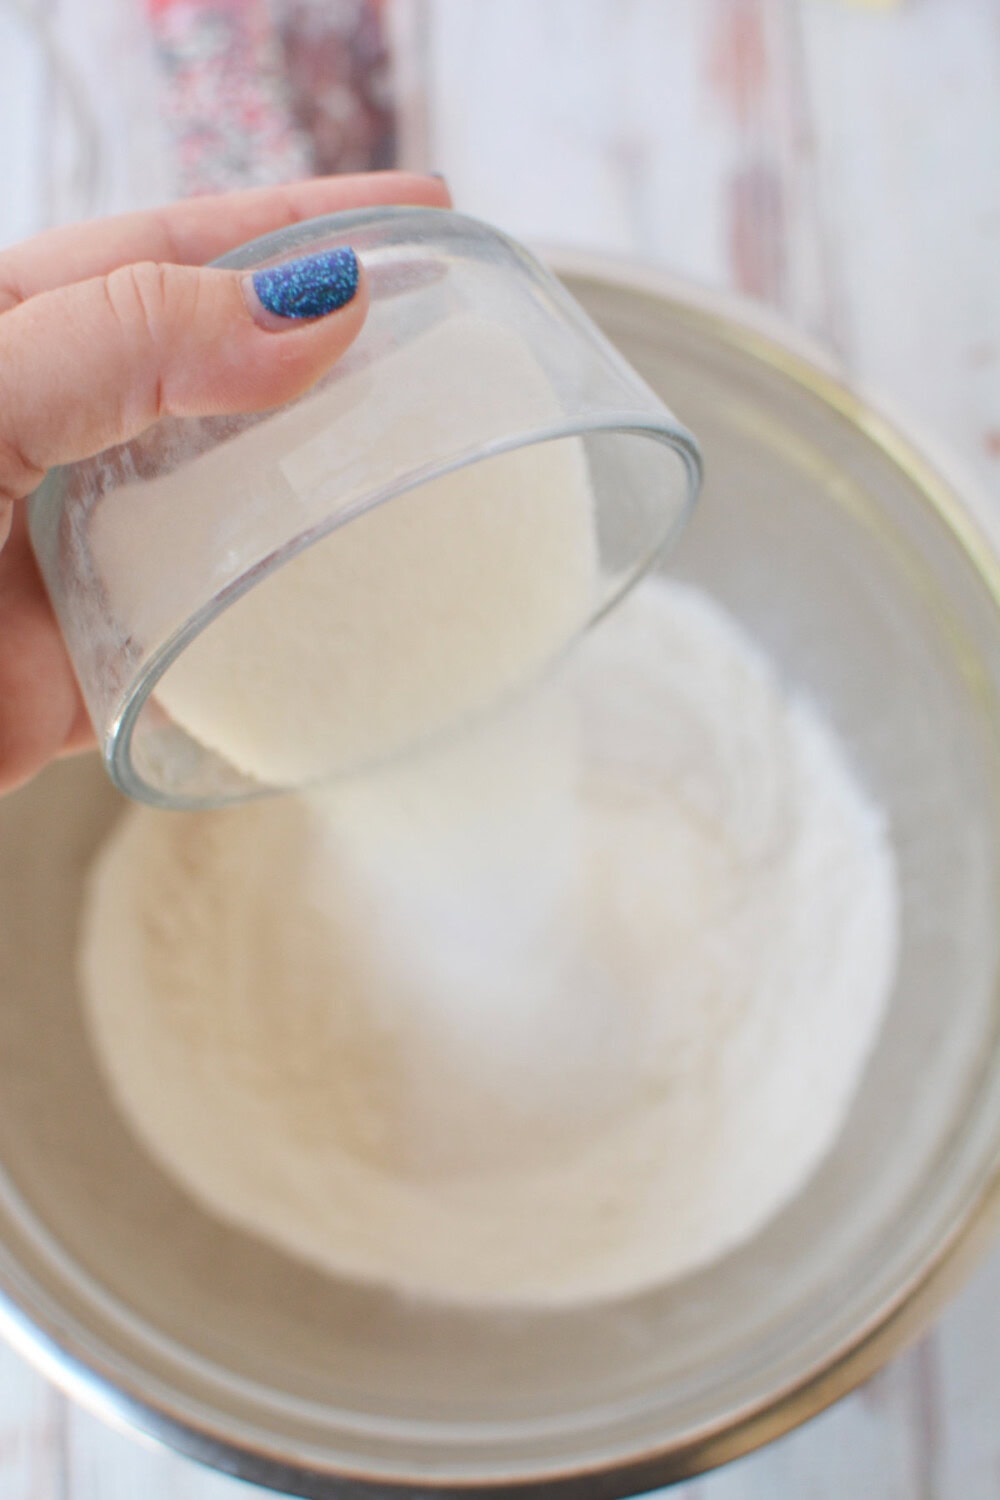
[19,472]
[150,301]
[12,292]
[19,475]
[11,295]
[153,298]
[139,299]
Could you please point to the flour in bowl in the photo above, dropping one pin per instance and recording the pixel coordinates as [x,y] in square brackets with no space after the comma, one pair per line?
[552,1015]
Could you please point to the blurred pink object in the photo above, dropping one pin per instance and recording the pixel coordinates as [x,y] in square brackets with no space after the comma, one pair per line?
[226,97]
[260,92]
[337,66]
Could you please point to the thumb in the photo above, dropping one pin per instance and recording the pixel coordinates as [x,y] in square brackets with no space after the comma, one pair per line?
[92,364]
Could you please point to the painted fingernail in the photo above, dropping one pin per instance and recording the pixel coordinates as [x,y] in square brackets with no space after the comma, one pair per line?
[310,287]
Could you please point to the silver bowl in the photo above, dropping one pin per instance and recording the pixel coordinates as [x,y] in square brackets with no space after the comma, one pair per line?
[862,571]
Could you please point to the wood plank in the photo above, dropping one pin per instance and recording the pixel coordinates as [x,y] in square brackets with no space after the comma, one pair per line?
[907,118]
[865,1446]
[567,121]
[967,1343]
[106,1464]
[32,1433]
[671,132]
[22,108]
[107,144]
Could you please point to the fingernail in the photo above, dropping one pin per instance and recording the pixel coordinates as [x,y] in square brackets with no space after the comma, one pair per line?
[310,287]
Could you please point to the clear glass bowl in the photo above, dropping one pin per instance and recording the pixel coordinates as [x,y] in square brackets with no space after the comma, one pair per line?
[472,355]
[860,570]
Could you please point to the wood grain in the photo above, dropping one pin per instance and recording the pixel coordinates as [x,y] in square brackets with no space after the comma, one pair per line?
[103,1464]
[906,106]
[32,1433]
[21,120]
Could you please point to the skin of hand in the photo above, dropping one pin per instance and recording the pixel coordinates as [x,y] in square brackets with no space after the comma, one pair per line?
[104,328]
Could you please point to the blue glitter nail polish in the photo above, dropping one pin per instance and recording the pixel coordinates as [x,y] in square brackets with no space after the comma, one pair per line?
[310,287]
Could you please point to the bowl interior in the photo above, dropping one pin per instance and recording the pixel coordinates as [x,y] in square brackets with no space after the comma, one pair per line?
[826,547]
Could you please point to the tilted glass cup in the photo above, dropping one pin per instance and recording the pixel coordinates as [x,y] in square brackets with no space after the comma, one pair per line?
[476,375]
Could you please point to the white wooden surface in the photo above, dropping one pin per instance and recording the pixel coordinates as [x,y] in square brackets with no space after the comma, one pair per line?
[841,163]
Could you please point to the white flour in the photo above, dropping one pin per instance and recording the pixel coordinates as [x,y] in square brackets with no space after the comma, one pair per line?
[404,621]
[562,1013]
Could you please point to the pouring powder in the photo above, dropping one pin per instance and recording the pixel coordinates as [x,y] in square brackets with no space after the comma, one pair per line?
[552,1015]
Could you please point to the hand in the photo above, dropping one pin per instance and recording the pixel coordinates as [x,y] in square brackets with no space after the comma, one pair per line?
[106,326]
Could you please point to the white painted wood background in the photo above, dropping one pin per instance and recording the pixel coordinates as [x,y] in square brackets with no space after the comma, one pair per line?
[840,162]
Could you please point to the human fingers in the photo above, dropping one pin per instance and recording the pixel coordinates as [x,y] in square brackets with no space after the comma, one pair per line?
[41,710]
[94,363]
[90,365]
[196,230]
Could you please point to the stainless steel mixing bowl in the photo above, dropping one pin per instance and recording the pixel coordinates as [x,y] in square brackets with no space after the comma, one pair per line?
[862,572]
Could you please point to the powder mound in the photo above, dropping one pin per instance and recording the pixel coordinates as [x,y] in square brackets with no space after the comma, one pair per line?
[553,1015]
[399,625]
[389,630]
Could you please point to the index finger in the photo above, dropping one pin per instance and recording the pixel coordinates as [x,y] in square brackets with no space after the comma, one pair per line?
[196,230]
